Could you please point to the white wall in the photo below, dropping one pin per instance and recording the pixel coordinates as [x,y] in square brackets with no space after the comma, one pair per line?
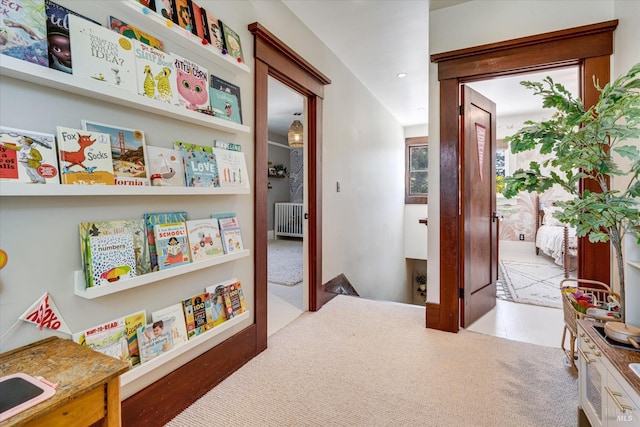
[363,224]
[279,192]
[487,21]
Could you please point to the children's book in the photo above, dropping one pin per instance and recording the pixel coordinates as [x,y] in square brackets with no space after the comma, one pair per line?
[165,167]
[224,105]
[227,145]
[221,300]
[155,339]
[85,157]
[192,80]
[114,250]
[132,323]
[164,8]
[231,168]
[198,19]
[217,83]
[58,36]
[132,32]
[204,239]
[155,73]
[151,219]
[230,232]
[27,156]
[23,30]
[182,14]
[178,325]
[234,299]
[147,3]
[172,244]
[200,168]
[213,30]
[101,54]
[127,151]
[197,314]
[232,42]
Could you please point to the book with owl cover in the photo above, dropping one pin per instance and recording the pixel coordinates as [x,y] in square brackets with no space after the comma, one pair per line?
[102,55]
[192,81]
[232,42]
[134,33]
[155,74]
[198,314]
[165,167]
[27,156]
[114,250]
[127,152]
[85,157]
[24,31]
[216,82]
[172,244]
[200,168]
[153,218]
[224,105]
[212,30]
[232,168]
[204,239]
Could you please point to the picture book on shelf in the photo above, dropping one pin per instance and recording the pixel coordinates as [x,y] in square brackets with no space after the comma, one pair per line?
[227,145]
[23,31]
[200,167]
[172,244]
[27,156]
[165,167]
[116,338]
[85,157]
[232,168]
[155,73]
[147,3]
[198,19]
[164,8]
[204,239]
[114,250]
[224,105]
[127,152]
[155,339]
[58,38]
[221,301]
[192,80]
[153,218]
[212,30]
[182,14]
[217,83]
[232,42]
[234,299]
[132,323]
[101,54]
[230,232]
[197,314]
[174,312]
[134,33]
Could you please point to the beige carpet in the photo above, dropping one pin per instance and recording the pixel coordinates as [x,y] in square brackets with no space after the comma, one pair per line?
[358,362]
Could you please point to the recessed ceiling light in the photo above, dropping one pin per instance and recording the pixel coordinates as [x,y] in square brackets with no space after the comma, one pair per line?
[401,75]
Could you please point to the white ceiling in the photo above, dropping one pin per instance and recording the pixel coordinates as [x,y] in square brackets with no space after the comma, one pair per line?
[386,37]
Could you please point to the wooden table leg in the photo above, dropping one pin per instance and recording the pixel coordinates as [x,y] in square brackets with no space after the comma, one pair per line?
[112,393]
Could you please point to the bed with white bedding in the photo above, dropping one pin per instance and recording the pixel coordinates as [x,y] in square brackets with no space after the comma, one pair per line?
[555,239]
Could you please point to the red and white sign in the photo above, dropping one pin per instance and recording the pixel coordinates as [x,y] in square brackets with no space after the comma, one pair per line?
[481,132]
[45,314]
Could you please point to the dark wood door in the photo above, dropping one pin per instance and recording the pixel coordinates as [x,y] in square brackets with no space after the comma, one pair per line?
[480,230]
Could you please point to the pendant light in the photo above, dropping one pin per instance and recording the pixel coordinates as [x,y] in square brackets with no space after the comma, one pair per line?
[296,133]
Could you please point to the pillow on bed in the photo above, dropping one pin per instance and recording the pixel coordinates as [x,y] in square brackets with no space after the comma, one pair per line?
[549,219]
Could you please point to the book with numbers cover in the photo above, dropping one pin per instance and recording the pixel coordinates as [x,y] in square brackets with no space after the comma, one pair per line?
[27,156]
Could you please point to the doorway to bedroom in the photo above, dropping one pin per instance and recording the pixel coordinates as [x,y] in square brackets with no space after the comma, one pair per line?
[535,250]
[285,206]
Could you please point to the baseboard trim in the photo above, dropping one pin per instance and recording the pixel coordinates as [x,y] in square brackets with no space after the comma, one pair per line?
[433,315]
[160,402]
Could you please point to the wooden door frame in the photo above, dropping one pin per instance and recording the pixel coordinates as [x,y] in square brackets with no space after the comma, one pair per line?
[274,58]
[589,47]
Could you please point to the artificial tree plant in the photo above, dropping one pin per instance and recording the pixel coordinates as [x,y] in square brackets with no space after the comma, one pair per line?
[587,145]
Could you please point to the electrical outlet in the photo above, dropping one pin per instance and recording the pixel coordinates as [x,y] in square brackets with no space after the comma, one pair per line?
[522,237]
